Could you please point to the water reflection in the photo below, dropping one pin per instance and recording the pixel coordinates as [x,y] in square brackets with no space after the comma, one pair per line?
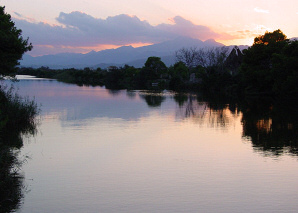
[272,127]
[131,94]
[101,152]
[11,181]
[12,187]
[211,114]
[181,98]
[153,99]
[114,92]
[18,119]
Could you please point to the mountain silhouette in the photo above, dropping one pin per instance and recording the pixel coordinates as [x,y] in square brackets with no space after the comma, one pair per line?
[117,57]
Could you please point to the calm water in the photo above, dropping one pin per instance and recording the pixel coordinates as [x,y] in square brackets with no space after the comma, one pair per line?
[98,150]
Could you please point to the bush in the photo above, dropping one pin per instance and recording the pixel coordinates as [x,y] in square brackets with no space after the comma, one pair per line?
[17,115]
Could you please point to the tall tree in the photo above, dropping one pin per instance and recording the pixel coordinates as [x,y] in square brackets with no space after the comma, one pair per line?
[155,66]
[12,45]
[270,38]
[256,69]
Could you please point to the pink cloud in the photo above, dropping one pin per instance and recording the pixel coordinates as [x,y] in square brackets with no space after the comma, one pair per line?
[78,30]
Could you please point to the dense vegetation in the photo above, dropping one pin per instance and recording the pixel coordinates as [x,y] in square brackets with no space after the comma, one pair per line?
[17,115]
[12,45]
[268,67]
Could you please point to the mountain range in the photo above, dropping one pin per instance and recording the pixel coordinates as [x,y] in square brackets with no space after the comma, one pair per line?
[118,57]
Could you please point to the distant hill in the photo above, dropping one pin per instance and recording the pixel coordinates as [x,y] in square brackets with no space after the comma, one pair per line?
[118,57]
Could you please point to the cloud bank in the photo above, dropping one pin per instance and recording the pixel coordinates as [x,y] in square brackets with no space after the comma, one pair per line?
[78,31]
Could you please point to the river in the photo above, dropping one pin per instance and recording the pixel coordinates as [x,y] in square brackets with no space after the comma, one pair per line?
[99,150]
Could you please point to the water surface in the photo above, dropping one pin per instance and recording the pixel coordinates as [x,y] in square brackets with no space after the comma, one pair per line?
[99,150]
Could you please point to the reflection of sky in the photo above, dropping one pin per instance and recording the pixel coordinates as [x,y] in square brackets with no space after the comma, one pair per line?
[80,106]
[79,103]
[99,151]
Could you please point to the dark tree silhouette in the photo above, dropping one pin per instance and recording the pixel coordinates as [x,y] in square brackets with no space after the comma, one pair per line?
[12,45]
[156,65]
[270,37]
[259,70]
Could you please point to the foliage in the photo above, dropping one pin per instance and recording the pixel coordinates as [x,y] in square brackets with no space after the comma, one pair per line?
[17,115]
[12,45]
[181,70]
[270,65]
[154,68]
[215,81]
[270,38]
[114,79]
[285,70]
[176,83]
[155,65]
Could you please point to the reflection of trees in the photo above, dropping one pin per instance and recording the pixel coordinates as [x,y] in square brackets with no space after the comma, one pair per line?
[131,94]
[189,106]
[11,180]
[114,92]
[180,98]
[272,127]
[153,99]
[214,114]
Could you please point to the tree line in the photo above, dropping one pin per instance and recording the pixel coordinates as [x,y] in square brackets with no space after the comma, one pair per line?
[268,67]
[193,70]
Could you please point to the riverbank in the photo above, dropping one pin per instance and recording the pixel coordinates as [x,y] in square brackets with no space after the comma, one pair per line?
[18,116]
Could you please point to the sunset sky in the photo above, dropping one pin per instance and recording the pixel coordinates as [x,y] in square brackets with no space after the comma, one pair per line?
[55,26]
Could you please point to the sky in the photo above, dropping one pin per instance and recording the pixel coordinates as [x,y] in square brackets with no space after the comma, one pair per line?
[57,26]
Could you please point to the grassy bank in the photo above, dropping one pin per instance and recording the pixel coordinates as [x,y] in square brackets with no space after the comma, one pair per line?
[18,116]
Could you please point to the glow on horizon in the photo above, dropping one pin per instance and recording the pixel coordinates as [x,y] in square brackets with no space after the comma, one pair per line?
[238,22]
[107,46]
[86,49]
